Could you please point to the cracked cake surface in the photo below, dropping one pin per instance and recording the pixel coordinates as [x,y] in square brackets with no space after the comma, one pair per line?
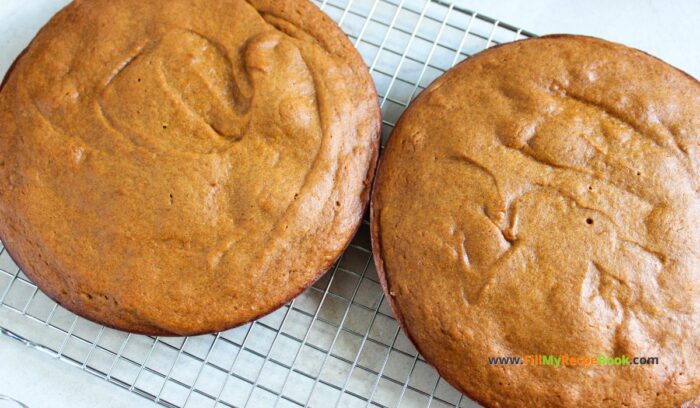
[542,198]
[184,166]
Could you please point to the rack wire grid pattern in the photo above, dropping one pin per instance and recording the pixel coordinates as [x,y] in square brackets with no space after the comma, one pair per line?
[335,345]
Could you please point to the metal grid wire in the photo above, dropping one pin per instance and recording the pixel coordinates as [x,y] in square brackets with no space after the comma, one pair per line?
[335,345]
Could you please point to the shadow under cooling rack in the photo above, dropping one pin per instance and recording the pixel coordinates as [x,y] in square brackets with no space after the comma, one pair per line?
[335,345]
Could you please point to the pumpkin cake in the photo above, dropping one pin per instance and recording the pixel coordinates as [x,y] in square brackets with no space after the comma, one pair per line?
[543,198]
[175,167]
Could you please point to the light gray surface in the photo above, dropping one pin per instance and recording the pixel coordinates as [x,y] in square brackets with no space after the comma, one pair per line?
[39,381]
[667,29]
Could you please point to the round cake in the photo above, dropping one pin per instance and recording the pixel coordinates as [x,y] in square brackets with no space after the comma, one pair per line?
[540,202]
[174,167]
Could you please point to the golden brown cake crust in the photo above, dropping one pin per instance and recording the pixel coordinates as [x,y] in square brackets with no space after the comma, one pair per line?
[543,198]
[184,166]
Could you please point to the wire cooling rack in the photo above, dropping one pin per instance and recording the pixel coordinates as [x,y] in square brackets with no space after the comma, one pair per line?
[336,345]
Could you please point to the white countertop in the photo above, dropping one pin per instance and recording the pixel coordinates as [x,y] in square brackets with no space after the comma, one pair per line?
[40,381]
[668,29]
